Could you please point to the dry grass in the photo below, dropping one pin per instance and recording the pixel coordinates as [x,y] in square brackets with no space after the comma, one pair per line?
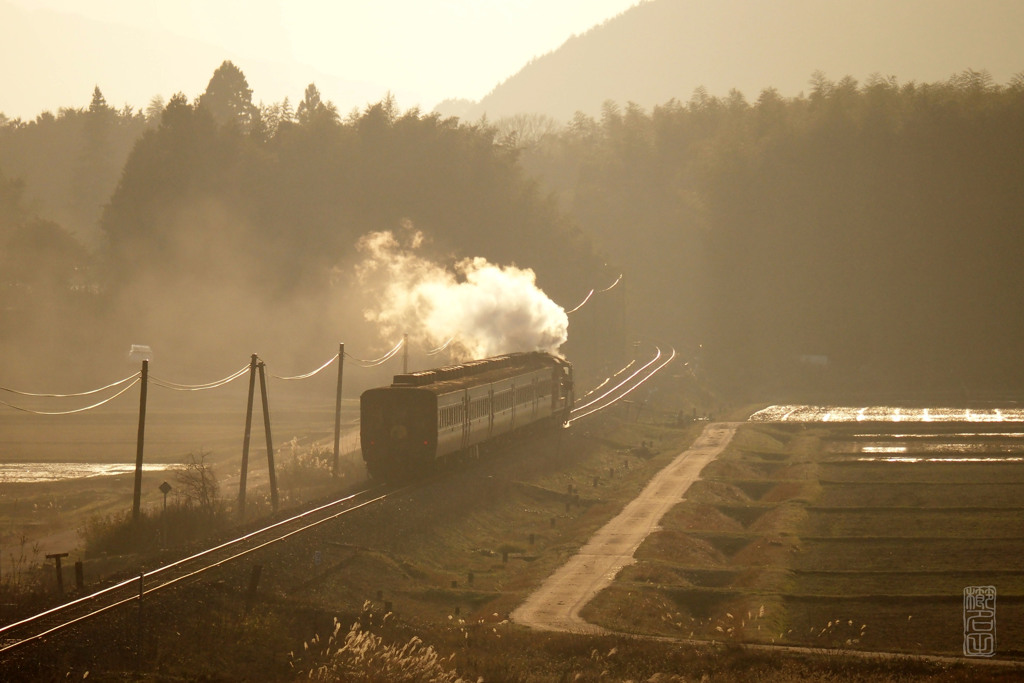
[728,569]
[761,527]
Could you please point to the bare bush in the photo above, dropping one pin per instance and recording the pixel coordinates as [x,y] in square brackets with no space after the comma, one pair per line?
[199,483]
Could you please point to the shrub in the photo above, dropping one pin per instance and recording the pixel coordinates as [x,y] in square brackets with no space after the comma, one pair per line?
[361,655]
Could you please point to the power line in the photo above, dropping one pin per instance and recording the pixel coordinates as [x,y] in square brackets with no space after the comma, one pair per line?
[594,291]
[81,393]
[308,374]
[378,361]
[77,410]
[442,347]
[198,387]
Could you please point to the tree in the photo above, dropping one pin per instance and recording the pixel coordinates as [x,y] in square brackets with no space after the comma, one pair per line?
[99,102]
[274,116]
[525,130]
[311,109]
[155,109]
[228,98]
[198,483]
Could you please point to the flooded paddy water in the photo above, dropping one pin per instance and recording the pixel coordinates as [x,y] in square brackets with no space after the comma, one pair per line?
[37,472]
[912,506]
[59,472]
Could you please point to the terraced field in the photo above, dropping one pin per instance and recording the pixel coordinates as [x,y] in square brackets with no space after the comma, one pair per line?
[859,536]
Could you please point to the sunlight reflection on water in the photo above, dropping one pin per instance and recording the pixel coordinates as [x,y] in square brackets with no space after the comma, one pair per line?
[915,459]
[799,413]
[35,472]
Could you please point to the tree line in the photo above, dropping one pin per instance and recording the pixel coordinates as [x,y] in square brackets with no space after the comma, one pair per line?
[860,236]
[242,220]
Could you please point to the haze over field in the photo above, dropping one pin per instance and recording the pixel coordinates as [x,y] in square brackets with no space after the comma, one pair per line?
[423,52]
[498,57]
[197,177]
[813,204]
[667,49]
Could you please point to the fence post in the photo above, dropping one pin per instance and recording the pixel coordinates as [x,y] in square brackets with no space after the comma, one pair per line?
[337,410]
[137,499]
[245,441]
[254,582]
[56,557]
[270,443]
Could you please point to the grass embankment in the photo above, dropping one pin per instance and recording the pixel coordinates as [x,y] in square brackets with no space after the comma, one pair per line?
[722,560]
[450,559]
[787,540]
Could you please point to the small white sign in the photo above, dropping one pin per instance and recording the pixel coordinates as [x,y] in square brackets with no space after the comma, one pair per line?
[140,352]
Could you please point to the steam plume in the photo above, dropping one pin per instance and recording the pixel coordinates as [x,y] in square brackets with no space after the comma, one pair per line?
[488,309]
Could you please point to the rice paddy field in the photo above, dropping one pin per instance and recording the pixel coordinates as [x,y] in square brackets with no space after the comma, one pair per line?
[844,535]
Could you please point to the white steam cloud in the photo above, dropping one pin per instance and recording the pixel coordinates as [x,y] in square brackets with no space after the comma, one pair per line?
[484,309]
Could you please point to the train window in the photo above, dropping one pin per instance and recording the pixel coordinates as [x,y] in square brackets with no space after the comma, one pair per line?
[502,401]
[525,394]
[477,409]
[448,416]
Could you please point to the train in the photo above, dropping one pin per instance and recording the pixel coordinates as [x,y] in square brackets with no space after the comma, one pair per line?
[428,418]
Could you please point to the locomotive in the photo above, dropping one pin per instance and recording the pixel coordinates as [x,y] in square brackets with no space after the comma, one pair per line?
[426,418]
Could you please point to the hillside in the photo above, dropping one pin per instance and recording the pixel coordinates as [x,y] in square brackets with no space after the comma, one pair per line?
[665,49]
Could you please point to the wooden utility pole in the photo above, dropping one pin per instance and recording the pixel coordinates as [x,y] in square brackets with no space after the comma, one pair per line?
[248,431]
[270,443]
[137,500]
[337,410]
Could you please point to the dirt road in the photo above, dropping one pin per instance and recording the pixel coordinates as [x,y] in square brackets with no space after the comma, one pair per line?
[556,605]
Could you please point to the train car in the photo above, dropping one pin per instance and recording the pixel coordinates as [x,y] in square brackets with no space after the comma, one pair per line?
[425,418]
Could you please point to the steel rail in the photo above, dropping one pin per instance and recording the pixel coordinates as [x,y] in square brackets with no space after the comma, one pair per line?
[574,416]
[618,386]
[178,564]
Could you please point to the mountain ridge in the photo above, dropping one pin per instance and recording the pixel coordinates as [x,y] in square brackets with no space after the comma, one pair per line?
[673,47]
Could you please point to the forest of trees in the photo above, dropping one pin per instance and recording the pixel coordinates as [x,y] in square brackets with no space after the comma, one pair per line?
[877,226]
[872,228]
[215,226]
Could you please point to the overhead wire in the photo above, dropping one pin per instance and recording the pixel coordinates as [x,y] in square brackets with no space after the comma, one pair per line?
[175,386]
[307,375]
[580,305]
[442,347]
[80,393]
[377,361]
[76,410]
[592,292]
[612,285]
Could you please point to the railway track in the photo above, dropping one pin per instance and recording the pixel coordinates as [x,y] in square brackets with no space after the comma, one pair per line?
[38,627]
[621,387]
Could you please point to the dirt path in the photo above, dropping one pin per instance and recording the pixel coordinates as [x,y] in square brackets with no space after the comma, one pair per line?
[556,605]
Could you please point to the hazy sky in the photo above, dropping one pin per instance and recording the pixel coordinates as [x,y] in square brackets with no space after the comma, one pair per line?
[424,51]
